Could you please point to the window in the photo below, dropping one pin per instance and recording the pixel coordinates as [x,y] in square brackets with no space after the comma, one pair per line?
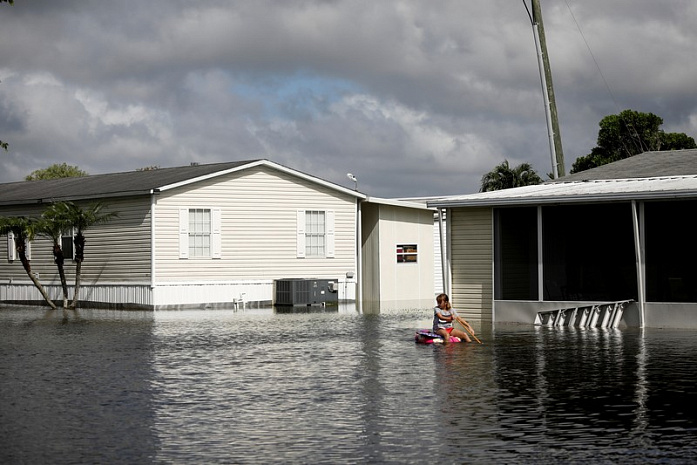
[315,232]
[516,253]
[68,244]
[588,252]
[671,252]
[407,253]
[199,233]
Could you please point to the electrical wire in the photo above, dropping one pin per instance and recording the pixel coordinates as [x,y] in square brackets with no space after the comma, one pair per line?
[634,135]
[528,10]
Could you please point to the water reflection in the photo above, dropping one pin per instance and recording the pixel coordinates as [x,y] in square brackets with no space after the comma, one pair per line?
[335,386]
[71,384]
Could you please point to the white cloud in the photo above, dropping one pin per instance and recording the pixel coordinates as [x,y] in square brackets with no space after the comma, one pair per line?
[416,97]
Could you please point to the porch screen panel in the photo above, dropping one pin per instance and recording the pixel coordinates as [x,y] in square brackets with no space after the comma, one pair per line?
[671,251]
[588,252]
[516,253]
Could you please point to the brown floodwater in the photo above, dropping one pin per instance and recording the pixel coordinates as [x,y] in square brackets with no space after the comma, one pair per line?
[336,386]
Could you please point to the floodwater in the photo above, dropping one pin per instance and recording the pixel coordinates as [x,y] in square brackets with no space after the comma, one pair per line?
[322,386]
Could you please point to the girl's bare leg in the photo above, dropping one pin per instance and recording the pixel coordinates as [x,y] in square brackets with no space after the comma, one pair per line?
[444,334]
[462,335]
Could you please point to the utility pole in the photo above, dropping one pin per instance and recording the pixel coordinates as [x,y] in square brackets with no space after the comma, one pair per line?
[556,151]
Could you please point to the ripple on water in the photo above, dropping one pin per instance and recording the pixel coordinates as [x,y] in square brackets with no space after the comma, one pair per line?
[333,387]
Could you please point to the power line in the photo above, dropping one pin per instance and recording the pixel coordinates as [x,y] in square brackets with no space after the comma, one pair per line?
[630,126]
[578,26]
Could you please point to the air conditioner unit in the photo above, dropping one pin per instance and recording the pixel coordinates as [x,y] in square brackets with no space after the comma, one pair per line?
[306,291]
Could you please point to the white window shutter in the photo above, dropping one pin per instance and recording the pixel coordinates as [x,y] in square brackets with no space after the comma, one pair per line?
[329,232]
[216,242]
[183,233]
[11,247]
[300,226]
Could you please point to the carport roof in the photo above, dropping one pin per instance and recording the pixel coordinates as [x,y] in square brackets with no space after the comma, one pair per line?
[650,175]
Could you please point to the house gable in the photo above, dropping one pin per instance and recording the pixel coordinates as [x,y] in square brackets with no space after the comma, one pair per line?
[259,210]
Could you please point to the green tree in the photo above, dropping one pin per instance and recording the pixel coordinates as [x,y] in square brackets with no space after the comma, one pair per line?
[81,219]
[53,225]
[57,170]
[505,177]
[24,229]
[627,134]
[677,141]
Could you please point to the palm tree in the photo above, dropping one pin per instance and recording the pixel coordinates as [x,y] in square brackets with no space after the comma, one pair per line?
[52,226]
[505,177]
[81,219]
[24,230]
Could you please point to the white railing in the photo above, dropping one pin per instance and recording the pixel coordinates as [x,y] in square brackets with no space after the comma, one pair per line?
[604,315]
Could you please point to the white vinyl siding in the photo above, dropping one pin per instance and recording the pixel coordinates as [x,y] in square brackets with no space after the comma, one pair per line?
[471,256]
[115,252]
[259,228]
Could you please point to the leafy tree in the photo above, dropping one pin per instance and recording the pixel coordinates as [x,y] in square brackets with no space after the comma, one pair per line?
[24,230]
[52,225]
[677,141]
[81,219]
[55,171]
[629,133]
[505,177]
[56,220]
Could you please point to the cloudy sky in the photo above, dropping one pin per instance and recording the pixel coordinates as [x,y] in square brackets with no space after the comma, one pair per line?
[415,97]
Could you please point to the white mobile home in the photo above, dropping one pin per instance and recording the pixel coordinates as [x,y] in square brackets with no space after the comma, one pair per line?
[194,236]
[619,232]
[222,234]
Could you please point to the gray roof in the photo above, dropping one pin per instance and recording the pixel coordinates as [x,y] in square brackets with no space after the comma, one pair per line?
[105,185]
[650,175]
[131,183]
[644,165]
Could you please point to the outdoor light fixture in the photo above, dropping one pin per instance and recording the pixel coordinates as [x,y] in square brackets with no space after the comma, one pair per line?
[353,178]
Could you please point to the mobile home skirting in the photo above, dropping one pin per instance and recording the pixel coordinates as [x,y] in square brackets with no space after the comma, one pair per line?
[120,296]
[160,297]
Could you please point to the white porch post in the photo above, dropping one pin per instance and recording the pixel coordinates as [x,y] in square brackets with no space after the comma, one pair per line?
[639,252]
[443,269]
[540,258]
